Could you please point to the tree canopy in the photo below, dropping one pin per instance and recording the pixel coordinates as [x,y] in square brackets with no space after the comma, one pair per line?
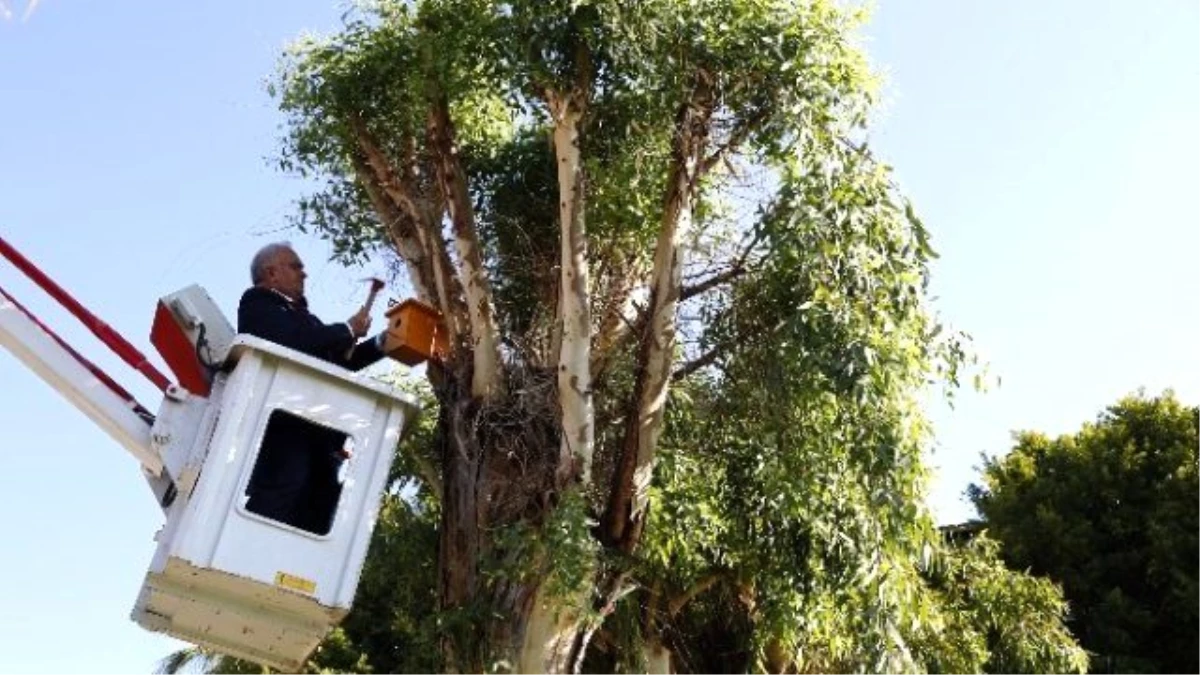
[679,423]
[1110,512]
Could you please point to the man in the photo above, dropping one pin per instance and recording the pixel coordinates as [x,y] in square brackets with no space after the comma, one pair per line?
[275,309]
[295,478]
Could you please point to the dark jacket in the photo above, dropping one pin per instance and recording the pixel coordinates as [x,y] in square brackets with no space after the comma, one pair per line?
[266,314]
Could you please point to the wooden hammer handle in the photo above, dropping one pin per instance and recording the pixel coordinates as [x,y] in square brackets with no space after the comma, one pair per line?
[371,298]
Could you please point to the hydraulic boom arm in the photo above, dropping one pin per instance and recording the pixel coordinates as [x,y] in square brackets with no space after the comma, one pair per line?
[84,385]
[80,381]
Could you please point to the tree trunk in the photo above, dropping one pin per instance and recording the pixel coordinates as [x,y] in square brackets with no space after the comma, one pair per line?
[658,658]
[458,540]
[500,468]
[574,367]
[778,658]
[551,630]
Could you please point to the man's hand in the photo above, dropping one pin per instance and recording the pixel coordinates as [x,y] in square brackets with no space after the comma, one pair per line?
[360,323]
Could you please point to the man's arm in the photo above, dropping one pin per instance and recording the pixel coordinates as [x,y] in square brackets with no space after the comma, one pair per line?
[365,353]
[264,314]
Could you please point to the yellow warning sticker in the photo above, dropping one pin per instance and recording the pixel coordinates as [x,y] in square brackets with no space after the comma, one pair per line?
[285,580]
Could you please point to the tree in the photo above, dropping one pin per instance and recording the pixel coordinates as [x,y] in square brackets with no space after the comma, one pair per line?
[988,618]
[678,423]
[1110,513]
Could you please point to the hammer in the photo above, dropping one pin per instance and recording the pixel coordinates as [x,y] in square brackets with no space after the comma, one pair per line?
[376,286]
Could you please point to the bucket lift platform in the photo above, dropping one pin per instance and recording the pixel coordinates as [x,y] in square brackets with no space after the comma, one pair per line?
[238,578]
[243,583]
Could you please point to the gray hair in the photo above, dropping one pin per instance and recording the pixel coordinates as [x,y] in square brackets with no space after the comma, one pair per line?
[263,259]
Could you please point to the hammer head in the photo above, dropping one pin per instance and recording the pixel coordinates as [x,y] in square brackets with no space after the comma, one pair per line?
[376,286]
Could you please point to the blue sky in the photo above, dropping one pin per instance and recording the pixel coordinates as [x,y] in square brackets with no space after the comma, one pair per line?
[1051,148]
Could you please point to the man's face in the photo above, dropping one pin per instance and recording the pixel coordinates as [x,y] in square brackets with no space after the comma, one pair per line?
[286,274]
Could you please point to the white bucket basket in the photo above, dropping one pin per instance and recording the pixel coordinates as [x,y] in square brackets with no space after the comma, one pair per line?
[242,583]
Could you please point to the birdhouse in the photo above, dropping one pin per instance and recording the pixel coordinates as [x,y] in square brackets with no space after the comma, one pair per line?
[257,578]
[415,333]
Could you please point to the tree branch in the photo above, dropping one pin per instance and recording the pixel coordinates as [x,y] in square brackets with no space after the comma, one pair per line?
[487,374]
[736,138]
[706,359]
[574,306]
[615,326]
[402,194]
[736,270]
[678,602]
[624,515]
[400,229]
[422,216]
[689,292]
[430,475]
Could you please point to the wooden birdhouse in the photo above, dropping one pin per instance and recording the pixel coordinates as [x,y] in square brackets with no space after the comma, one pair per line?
[415,333]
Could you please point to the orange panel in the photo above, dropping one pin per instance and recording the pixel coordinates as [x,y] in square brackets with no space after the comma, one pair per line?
[179,352]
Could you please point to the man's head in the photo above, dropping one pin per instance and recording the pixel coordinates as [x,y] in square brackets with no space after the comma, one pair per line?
[278,267]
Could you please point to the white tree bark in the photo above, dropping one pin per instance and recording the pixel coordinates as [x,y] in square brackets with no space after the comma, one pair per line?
[549,636]
[574,313]
[666,280]
[658,658]
[487,377]
[629,496]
